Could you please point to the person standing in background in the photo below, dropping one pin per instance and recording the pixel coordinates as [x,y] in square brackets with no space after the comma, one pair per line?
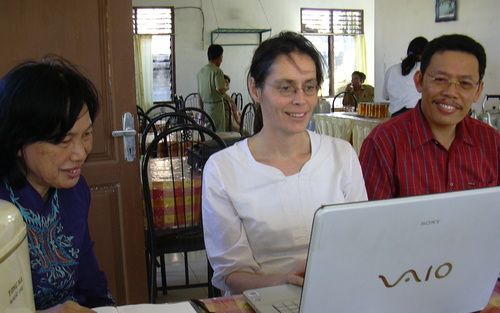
[399,87]
[211,86]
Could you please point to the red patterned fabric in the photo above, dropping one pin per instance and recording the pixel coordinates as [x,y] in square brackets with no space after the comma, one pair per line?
[175,193]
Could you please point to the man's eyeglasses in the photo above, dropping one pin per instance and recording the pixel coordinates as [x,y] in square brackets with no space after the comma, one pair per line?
[289,90]
[445,82]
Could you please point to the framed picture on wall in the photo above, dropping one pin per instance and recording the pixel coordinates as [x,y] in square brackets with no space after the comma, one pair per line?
[446,10]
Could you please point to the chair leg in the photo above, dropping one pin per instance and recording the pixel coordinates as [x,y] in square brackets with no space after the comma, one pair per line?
[186,268]
[163,274]
[148,272]
[152,284]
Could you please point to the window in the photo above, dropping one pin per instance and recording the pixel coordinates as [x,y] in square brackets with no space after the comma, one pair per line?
[338,36]
[154,53]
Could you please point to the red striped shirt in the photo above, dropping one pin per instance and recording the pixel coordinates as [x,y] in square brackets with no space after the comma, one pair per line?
[401,158]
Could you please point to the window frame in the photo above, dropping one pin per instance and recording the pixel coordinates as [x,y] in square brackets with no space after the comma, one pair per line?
[173,84]
[330,36]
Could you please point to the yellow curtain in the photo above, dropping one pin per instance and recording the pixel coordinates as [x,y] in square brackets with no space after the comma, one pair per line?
[143,59]
[360,48]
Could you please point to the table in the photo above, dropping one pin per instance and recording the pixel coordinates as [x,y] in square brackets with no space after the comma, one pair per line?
[346,125]
[237,304]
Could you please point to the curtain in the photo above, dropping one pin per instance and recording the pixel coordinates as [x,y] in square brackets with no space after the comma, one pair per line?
[143,59]
[360,49]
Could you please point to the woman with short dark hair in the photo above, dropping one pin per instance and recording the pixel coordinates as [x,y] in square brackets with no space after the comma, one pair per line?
[47,110]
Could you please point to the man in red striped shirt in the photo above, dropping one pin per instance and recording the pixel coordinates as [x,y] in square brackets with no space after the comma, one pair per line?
[436,147]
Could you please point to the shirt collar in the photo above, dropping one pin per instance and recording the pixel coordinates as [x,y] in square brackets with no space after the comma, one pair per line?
[422,132]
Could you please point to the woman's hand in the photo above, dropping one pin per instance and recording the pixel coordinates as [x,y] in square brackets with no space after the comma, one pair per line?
[241,281]
[67,307]
[296,275]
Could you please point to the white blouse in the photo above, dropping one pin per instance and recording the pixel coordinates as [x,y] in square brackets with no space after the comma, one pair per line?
[258,220]
[400,90]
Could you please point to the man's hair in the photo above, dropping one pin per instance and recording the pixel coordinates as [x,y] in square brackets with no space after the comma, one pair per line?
[454,42]
[361,75]
[214,51]
[284,43]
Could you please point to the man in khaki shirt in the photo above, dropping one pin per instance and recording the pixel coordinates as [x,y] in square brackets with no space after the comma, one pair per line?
[211,86]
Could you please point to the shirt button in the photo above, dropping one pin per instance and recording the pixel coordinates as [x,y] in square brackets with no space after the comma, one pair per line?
[451,184]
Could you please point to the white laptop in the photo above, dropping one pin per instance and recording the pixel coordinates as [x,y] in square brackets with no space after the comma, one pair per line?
[436,253]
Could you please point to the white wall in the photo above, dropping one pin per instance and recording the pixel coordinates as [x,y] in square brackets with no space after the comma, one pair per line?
[399,21]
[190,46]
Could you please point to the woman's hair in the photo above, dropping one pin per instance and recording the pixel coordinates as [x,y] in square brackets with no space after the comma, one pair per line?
[39,101]
[285,43]
[413,54]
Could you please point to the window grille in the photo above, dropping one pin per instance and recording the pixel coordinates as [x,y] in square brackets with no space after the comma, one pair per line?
[153,21]
[332,22]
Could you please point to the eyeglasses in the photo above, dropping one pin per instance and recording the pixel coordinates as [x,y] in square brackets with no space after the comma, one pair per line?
[444,82]
[288,90]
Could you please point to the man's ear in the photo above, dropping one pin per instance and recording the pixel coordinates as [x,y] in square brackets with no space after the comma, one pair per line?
[255,92]
[479,91]
[417,79]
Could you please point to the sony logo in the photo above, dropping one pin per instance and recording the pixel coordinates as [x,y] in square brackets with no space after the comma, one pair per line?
[439,273]
[429,222]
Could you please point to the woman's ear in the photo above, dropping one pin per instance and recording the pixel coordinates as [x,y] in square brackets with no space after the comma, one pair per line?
[255,92]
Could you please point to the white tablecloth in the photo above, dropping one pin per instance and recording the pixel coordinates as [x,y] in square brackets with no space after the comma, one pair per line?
[345,125]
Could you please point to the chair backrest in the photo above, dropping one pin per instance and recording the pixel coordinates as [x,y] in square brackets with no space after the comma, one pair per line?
[139,109]
[144,120]
[171,186]
[178,102]
[247,120]
[193,100]
[201,117]
[237,98]
[239,101]
[161,108]
[159,123]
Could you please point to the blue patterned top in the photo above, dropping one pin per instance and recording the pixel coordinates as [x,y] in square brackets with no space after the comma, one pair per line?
[63,264]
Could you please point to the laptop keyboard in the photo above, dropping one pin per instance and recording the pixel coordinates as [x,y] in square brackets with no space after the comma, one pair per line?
[287,307]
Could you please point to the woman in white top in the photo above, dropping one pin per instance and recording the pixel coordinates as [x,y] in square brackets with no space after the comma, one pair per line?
[399,87]
[260,195]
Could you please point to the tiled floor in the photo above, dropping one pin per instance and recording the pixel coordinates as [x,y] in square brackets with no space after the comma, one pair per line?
[175,275]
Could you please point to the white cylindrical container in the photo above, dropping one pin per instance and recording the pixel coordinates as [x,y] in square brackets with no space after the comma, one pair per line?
[16,291]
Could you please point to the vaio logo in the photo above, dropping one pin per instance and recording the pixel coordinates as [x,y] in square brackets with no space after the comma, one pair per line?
[441,272]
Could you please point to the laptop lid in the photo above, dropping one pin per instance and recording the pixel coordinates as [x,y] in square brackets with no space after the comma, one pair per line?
[432,253]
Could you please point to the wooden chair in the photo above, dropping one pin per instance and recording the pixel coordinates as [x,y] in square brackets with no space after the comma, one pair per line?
[181,230]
